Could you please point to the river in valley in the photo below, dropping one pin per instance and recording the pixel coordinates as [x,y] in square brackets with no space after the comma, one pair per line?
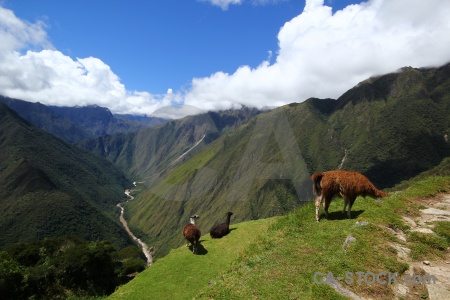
[143,245]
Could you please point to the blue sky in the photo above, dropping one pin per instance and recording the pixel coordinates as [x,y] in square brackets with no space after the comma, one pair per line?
[139,56]
[156,45]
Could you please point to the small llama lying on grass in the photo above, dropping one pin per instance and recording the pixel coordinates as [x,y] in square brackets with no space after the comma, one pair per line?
[345,184]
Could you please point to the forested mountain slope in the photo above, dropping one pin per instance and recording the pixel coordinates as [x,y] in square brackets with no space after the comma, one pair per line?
[50,188]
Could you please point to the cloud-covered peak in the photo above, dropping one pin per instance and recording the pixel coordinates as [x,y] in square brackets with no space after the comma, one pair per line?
[176,111]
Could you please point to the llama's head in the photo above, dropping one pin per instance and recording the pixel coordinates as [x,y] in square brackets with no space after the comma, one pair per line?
[194,218]
[380,194]
[229,213]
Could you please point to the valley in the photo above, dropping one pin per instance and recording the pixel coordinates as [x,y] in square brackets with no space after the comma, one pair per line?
[256,163]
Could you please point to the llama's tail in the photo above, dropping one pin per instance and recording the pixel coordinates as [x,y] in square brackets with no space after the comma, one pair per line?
[317,187]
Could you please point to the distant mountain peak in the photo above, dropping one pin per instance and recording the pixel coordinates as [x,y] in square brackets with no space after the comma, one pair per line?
[177,111]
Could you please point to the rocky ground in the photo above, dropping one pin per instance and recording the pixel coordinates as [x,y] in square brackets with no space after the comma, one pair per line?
[437,209]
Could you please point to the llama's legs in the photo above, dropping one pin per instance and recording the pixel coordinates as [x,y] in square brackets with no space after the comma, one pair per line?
[345,205]
[350,204]
[318,203]
[194,247]
[326,204]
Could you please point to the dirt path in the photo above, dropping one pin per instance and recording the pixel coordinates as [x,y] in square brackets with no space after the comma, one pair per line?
[437,209]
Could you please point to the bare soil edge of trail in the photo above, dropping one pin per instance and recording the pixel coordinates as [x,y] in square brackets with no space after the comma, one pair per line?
[437,209]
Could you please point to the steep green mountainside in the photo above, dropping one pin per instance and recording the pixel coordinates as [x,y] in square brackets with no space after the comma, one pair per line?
[150,153]
[390,128]
[395,126]
[49,188]
[74,124]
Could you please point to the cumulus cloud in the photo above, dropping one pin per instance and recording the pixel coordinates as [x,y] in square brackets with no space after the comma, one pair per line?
[50,77]
[16,34]
[322,54]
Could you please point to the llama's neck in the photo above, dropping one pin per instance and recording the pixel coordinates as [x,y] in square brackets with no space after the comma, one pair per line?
[192,220]
[228,219]
[376,193]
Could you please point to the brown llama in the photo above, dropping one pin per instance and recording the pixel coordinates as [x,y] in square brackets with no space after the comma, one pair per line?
[192,233]
[345,184]
[222,229]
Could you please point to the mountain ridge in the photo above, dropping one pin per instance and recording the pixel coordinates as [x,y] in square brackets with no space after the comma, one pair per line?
[74,124]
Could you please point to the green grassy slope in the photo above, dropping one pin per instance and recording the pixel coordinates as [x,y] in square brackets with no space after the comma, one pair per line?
[180,275]
[296,247]
[258,261]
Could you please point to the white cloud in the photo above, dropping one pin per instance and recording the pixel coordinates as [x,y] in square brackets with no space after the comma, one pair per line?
[322,54]
[223,4]
[176,111]
[52,78]
[15,33]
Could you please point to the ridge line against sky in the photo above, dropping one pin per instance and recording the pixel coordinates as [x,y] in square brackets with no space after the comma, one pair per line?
[258,53]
